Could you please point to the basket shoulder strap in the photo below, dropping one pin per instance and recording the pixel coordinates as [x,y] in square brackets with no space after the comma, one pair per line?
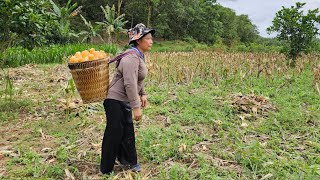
[122,55]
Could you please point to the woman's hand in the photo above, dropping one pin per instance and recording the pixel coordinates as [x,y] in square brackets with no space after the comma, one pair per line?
[144,101]
[137,114]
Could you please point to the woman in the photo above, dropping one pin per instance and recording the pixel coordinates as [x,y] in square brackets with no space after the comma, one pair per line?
[126,94]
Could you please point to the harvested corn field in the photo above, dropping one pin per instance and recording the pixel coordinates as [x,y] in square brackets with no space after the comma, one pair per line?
[211,115]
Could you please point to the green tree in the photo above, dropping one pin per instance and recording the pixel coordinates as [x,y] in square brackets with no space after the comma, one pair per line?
[136,12]
[151,4]
[119,4]
[112,25]
[247,31]
[91,32]
[205,26]
[29,22]
[296,28]
[64,15]
[229,24]
[174,19]
[201,20]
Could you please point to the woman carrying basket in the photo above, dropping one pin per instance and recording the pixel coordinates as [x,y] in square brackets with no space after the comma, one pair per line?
[126,94]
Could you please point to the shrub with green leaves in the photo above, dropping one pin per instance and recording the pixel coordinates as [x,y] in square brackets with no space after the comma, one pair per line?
[29,21]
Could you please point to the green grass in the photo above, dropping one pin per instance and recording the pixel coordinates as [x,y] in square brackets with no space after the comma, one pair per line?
[297,115]
[11,109]
[31,165]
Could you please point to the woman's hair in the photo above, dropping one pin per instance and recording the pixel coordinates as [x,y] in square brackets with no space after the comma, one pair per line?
[134,43]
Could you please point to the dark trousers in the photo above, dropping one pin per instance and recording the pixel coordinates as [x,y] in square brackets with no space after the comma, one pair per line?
[118,140]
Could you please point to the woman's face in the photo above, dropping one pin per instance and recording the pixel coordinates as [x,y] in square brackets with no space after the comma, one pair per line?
[145,43]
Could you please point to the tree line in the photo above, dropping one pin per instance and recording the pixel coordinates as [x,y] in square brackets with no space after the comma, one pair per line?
[44,22]
[208,22]
[202,20]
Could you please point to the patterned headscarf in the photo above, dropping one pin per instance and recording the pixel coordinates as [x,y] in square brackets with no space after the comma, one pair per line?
[138,32]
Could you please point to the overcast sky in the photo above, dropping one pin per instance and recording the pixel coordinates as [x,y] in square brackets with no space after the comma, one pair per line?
[262,12]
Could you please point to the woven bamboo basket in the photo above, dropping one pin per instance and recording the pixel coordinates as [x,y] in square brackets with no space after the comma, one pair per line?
[91,79]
